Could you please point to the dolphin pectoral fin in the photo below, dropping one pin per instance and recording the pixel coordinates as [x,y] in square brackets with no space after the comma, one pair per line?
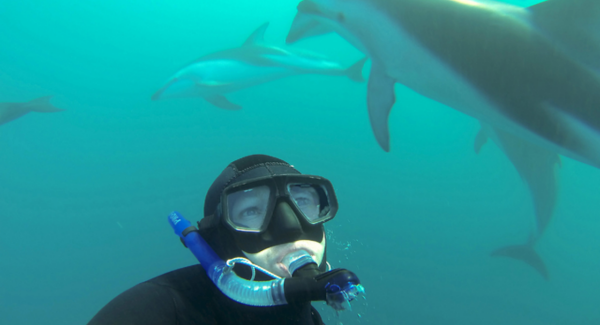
[221,102]
[524,253]
[258,36]
[354,72]
[480,139]
[380,99]
[42,105]
[305,26]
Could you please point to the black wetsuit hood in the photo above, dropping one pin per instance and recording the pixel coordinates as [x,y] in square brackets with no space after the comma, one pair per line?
[228,243]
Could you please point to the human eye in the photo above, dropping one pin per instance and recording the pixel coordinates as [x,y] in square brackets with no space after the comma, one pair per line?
[251,212]
[302,201]
[250,216]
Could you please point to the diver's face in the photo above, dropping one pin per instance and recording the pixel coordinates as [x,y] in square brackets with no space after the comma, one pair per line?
[269,228]
[271,258]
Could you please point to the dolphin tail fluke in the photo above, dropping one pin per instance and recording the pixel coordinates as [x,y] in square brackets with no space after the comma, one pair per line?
[525,253]
[42,105]
[222,102]
[354,72]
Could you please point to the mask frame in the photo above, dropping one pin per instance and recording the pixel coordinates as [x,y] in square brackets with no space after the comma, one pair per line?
[279,186]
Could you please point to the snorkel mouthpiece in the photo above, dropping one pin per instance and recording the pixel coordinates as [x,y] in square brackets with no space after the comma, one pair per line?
[297,260]
[338,287]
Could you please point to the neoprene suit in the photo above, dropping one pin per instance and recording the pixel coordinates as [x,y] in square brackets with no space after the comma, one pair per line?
[187,296]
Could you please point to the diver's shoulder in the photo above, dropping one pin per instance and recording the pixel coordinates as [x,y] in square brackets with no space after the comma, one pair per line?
[187,278]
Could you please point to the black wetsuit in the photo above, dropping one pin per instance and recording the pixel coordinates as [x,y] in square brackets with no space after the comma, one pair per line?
[187,296]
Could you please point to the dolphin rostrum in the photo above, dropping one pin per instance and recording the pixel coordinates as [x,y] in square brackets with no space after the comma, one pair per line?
[523,70]
[11,111]
[255,62]
[537,168]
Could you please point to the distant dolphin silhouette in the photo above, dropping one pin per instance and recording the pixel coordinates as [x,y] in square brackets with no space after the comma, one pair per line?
[537,168]
[253,63]
[523,70]
[12,111]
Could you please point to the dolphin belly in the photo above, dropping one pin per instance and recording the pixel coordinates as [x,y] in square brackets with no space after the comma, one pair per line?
[406,61]
[222,76]
[178,88]
[306,63]
[219,77]
[420,70]
[412,65]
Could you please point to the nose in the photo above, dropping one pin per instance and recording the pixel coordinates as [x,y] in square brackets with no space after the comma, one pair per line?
[285,223]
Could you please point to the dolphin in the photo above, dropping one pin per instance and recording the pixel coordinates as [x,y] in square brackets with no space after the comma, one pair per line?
[255,62]
[577,32]
[12,111]
[537,167]
[510,67]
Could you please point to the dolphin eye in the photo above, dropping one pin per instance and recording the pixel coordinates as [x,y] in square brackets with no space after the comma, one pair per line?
[340,17]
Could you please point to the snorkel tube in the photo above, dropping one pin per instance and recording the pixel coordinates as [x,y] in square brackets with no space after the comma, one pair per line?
[338,287]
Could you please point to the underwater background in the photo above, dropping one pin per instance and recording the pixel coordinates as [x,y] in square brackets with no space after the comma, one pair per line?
[84,193]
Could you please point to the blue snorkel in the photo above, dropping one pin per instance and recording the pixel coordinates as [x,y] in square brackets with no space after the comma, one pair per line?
[338,287]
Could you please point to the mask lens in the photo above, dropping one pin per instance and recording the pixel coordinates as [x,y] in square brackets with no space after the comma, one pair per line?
[248,208]
[311,200]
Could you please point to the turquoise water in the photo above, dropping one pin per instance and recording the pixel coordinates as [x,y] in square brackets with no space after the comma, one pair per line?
[84,193]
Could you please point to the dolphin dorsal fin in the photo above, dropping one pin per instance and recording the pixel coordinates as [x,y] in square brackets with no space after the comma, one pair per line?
[258,36]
